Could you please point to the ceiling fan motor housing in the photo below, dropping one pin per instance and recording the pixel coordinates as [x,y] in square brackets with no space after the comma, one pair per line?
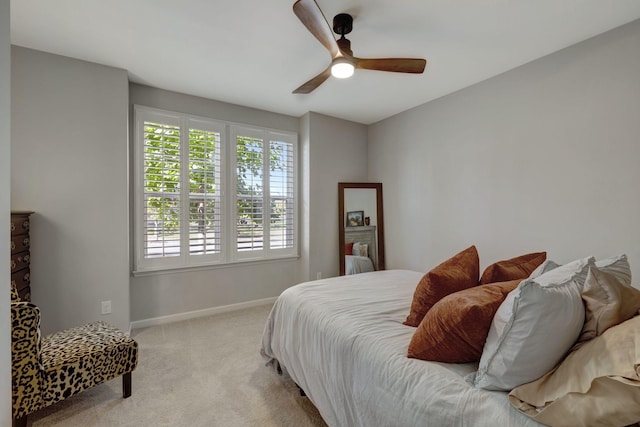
[342,23]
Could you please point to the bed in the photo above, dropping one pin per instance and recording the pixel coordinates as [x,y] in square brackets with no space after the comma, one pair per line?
[559,340]
[343,342]
[355,264]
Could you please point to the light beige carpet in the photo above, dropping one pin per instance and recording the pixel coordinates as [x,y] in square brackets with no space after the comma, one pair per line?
[200,372]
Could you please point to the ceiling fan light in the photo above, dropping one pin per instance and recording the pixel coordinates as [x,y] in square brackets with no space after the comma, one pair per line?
[342,68]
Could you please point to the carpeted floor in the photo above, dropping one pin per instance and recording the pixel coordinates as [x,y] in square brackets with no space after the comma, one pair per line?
[200,372]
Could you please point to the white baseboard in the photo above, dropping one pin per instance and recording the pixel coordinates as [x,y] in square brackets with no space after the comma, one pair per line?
[163,320]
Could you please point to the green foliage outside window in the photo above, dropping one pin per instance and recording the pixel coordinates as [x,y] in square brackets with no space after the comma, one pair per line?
[162,175]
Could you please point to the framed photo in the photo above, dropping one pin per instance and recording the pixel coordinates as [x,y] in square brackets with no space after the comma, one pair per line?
[355,218]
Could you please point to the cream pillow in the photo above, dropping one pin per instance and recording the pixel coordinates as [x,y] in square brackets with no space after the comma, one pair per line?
[596,385]
[618,266]
[534,328]
[608,302]
[361,249]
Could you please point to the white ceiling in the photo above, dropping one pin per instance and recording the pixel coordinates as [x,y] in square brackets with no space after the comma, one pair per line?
[255,52]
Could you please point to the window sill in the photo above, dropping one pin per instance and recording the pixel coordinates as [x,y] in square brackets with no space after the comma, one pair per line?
[235,264]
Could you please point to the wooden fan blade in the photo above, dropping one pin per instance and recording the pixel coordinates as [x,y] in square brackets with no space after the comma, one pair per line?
[309,86]
[311,16]
[397,65]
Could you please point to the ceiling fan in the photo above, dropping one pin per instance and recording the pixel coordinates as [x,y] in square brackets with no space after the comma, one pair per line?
[343,62]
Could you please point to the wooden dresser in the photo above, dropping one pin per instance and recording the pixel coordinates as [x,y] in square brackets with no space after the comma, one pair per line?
[20,255]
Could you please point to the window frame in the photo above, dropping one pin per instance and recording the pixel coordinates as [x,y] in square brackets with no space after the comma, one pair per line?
[229,253]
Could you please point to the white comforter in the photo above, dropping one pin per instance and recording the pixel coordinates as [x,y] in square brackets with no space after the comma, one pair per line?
[357,264]
[342,340]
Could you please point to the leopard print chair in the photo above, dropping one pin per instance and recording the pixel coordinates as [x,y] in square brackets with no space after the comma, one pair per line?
[46,370]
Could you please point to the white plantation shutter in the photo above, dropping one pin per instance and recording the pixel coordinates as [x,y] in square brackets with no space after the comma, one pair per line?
[204,198]
[205,204]
[282,195]
[161,164]
[250,226]
[265,193]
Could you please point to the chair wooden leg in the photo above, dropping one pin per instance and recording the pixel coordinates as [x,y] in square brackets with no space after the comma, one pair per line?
[19,422]
[126,385]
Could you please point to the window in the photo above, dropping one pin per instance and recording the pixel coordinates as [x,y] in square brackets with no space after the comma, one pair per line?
[209,192]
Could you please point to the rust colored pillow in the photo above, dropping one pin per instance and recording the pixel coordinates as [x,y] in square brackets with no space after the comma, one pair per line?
[456,327]
[511,269]
[455,274]
[348,248]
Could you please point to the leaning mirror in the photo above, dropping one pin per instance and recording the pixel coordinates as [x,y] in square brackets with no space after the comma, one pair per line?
[361,227]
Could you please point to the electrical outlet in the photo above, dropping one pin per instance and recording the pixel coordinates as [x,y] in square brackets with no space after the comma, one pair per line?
[319,275]
[106,307]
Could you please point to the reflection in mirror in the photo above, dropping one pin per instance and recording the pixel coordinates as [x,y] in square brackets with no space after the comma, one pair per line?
[361,227]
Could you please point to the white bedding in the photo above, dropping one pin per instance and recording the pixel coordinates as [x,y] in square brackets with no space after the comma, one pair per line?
[343,342]
[357,264]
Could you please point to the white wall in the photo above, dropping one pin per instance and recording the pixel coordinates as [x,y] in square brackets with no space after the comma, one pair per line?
[544,157]
[337,152]
[70,277]
[69,164]
[166,294]
[361,199]
[5,198]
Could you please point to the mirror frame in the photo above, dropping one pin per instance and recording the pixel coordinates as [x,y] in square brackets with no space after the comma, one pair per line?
[380,220]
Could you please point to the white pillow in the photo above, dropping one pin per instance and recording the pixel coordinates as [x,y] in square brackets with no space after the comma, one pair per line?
[534,328]
[360,249]
[545,267]
[616,265]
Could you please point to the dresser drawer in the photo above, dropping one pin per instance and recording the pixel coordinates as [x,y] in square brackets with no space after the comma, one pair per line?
[19,261]
[20,253]
[25,294]
[21,279]
[19,224]
[20,243]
